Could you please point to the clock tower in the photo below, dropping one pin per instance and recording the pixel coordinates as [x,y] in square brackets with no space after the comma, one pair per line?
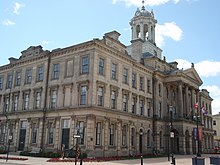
[143,35]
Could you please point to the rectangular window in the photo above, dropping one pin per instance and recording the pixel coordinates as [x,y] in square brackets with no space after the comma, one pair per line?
[124,135]
[159,110]
[1,83]
[6,104]
[141,107]
[134,82]
[132,137]
[24,124]
[18,78]
[53,98]
[28,76]
[85,65]
[100,96]
[148,108]
[148,86]
[37,99]
[34,133]
[26,101]
[113,97]
[56,68]
[101,66]
[142,83]
[15,103]
[98,133]
[9,80]
[111,136]
[125,102]
[2,133]
[50,133]
[83,95]
[125,76]
[133,105]
[66,124]
[114,71]
[40,73]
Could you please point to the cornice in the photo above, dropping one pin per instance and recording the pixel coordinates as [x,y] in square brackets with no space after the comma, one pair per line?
[23,61]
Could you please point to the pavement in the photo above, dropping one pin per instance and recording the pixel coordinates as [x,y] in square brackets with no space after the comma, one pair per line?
[180,160]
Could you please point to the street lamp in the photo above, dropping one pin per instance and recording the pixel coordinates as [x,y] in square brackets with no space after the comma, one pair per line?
[172,135]
[197,119]
[141,152]
[78,151]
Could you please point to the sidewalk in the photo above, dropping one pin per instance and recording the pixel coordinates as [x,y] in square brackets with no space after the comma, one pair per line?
[180,160]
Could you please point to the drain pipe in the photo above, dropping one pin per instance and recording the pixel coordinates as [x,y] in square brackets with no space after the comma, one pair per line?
[45,102]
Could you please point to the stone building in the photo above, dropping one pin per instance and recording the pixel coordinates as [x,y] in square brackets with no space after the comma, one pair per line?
[216,121]
[121,100]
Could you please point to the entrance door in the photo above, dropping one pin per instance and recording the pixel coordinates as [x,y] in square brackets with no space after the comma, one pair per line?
[65,137]
[22,139]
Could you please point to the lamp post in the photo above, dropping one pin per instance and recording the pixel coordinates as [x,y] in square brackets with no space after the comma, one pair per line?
[197,118]
[172,135]
[168,141]
[141,152]
[78,150]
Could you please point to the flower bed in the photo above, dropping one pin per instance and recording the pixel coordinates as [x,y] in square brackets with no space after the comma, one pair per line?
[100,159]
[13,158]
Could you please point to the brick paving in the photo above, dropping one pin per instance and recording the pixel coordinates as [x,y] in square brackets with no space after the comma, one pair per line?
[180,160]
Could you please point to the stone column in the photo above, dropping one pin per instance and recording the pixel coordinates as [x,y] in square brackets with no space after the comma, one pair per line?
[180,100]
[105,141]
[118,141]
[90,125]
[153,34]
[142,31]
[40,131]
[182,144]
[149,32]
[15,134]
[187,100]
[28,132]
[72,131]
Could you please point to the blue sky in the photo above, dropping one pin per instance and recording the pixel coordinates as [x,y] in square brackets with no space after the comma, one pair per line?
[187,30]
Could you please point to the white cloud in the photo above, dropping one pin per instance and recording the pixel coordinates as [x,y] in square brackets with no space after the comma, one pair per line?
[183,63]
[215,94]
[17,7]
[168,30]
[204,68]
[208,68]
[147,2]
[8,23]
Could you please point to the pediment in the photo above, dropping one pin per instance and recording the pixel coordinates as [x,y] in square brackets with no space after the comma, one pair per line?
[191,73]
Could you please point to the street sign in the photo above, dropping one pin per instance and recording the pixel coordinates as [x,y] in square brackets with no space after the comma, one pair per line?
[76,136]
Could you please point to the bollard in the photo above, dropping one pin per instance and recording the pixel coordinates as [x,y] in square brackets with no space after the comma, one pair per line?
[141,160]
[81,161]
[173,160]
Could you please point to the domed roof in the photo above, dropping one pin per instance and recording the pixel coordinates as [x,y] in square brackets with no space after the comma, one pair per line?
[144,12]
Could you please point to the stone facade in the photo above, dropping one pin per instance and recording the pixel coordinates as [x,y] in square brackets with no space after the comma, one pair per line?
[216,121]
[116,97]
